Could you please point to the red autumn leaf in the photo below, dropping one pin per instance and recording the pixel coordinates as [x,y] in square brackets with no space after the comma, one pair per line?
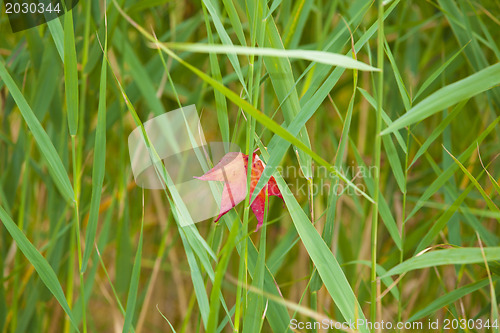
[232,170]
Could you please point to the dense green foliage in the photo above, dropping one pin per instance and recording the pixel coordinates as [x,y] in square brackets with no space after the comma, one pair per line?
[387,164]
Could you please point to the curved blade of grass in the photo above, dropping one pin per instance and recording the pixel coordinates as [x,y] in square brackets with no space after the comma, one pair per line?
[447,96]
[385,118]
[70,73]
[328,268]
[449,298]
[99,165]
[169,324]
[438,130]
[55,166]
[474,181]
[458,256]
[196,278]
[265,120]
[437,72]
[328,58]
[440,223]
[380,271]
[448,172]
[403,92]
[42,267]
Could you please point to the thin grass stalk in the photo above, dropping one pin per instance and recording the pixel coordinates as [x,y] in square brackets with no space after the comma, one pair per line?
[76,186]
[380,94]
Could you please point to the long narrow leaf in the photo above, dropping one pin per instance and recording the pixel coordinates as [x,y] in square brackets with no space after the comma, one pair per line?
[56,168]
[447,96]
[42,267]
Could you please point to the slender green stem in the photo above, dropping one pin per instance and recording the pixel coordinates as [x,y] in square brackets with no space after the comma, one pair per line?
[76,186]
[380,94]
[403,217]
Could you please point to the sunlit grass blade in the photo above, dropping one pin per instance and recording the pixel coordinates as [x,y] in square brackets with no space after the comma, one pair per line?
[323,57]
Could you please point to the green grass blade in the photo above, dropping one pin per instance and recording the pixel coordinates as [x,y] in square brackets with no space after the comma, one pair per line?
[438,130]
[235,20]
[57,33]
[99,165]
[220,99]
[458,256]
[220,271]
[226,40]
[42,267]
[474,181]
[326,264]
[440,223]
[437,72]
[446,174]
[403,92]
[56,168]
[385,118]
[328,58]
[447,96]
[134,284]
[449,298]
[70,73]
